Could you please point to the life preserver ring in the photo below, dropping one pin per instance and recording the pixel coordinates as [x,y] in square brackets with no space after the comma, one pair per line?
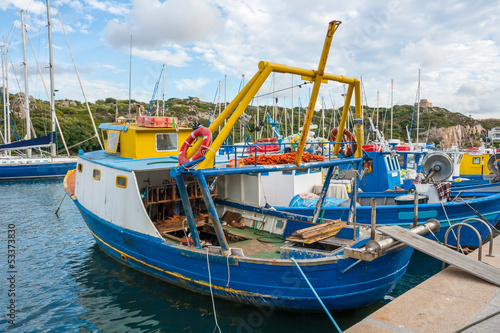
[260,140]
[347,137]
[207,139]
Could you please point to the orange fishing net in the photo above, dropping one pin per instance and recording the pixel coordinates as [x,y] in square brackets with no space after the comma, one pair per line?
[277,159]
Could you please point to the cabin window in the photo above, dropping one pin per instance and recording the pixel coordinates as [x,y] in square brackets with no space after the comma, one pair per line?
[113,140]
[368,166]
[476,160]
[96,173]
[121,181]
[105,135]
[314,170]
[166,142]
[80,167]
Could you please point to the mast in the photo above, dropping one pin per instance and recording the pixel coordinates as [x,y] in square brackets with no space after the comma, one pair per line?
[164,74]
[293,124]
[51,71]
[26,92]
[418,105]
[130,81]
[378,98]
[3,100]
[6,91]
[392,104]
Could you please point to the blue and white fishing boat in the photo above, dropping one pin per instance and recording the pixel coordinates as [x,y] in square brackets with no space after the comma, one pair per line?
[176,222]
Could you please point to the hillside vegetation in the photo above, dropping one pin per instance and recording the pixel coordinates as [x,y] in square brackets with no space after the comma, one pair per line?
[77,126]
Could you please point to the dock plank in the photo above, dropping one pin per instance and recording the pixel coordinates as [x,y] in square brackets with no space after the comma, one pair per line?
[438,251]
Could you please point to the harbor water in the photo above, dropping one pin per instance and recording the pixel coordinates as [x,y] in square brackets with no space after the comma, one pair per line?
[54,278]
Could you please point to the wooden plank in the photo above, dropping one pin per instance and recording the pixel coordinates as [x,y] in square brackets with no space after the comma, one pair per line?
[438,251]
[310,240]
[319,229]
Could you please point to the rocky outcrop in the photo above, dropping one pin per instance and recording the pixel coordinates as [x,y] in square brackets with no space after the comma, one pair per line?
[65,102]
[17,105]
[459,135]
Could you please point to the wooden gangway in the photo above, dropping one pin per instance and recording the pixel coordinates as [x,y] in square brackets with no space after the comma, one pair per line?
[443,253]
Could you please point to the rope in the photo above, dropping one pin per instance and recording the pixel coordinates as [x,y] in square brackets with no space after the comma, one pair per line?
[228,271]
[315,294]
[437,240]
[212,294]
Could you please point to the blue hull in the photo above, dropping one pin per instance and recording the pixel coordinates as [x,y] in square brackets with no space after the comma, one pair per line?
[402,215]
[274,283]
[35,170]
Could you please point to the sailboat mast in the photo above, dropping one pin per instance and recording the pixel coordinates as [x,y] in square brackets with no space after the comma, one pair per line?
[130,82]
[164,74]
[3,100]
[51,71]
[392,104]
[293,124]
[418,105]
[26,92]
[6,91]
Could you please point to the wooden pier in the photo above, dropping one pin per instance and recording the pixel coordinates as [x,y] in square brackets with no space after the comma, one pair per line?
[447,302]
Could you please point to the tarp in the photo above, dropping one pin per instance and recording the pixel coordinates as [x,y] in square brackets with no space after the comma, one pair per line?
[297,201]
[37,142]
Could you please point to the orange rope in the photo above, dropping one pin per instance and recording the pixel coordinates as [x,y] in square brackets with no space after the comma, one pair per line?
[278,159]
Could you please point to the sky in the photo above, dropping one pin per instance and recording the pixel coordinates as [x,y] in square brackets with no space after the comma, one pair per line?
[212,47]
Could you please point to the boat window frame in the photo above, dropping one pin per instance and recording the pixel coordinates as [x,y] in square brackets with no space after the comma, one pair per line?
[79,167]
[121,177]
[169,135]
[94,174]
[113,141]
[476,158]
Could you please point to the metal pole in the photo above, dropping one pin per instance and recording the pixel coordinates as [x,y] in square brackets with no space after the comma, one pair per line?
[392,104]
[130,82]
[415,209]
[3,98]
[212,212]
[6,90]
[51,71]
[374,219]
[26,90]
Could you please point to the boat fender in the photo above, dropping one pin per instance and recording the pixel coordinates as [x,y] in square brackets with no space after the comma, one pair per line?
[348,137]
[207,139]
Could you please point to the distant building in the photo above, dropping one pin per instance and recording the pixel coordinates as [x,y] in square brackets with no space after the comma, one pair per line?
[494,134]
[424,104]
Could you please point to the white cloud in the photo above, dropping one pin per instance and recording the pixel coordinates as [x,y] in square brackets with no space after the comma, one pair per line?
[190,84]
[455,43]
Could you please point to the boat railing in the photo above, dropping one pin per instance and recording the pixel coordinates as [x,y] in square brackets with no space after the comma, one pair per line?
[263,148]
[464,223]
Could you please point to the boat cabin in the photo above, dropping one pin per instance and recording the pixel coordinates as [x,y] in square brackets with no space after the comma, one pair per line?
[133,141]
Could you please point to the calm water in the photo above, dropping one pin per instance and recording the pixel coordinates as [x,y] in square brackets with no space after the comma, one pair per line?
[65,283]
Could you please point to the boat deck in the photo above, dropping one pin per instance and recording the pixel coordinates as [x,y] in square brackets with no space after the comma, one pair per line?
[450,301]
[258,244]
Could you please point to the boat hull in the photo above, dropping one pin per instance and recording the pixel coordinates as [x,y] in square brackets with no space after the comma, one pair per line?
[271,283]
[35,170]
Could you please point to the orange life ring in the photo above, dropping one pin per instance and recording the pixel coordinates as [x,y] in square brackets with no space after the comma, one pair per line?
[267,140]
[207,139]
[347,137]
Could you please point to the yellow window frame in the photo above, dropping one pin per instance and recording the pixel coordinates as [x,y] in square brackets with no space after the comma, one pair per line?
[80,167]
[121,177]
[94,174]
